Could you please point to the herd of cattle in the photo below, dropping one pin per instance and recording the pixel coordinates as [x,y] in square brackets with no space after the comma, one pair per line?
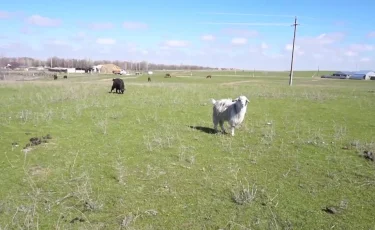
[118,84]
[55,77]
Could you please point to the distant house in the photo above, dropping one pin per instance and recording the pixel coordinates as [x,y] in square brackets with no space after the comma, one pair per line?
[97,68]
[363,75]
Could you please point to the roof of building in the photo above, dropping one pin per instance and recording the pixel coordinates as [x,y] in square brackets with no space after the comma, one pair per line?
[363,72]
[344,72]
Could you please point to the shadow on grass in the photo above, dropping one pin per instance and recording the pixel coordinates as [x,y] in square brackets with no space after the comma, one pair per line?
[116,93]
[204,129]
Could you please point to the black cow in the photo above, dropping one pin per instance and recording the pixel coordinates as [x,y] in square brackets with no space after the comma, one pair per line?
[119,85]
[149,79]
[54,77]
[65,76]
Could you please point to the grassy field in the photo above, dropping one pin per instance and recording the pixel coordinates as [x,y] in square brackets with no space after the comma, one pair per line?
[135,161]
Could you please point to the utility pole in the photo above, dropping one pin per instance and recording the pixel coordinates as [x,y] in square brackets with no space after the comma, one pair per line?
[291,63]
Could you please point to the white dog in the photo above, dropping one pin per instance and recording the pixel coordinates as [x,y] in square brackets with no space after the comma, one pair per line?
[229,110]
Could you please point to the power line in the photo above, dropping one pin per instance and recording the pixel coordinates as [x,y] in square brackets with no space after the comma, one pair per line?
[291,63]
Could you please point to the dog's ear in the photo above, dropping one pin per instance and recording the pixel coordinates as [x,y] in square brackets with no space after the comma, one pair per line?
[247,101]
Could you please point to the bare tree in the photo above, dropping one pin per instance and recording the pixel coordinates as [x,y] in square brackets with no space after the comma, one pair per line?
[87,63]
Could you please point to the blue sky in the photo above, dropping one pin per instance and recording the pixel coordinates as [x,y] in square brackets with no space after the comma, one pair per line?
[240,34]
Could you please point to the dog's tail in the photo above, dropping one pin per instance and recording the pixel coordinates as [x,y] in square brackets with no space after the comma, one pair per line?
[213,101]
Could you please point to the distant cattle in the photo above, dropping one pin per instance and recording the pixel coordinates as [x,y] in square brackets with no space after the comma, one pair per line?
[89,70]
[209,76]
[148,79]
[119,85]
[65,76]
[167,75]
[54,77]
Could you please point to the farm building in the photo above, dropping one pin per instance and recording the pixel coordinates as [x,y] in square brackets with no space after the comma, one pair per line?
[356,75]
[343,74]
[339,75]
[97,68]
[363,75]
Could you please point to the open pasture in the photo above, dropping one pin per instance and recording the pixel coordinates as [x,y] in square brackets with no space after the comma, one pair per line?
[147,159]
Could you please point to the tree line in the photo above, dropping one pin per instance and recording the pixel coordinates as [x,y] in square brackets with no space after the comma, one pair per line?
[16,62]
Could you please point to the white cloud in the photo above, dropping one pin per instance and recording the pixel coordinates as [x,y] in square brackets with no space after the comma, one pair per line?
[101,26]
[297,49]
[317,47]
[79,36]
[241,32]
[289,47]
[365,59]
[361,47]
[321,40]
[26,30]
[371,34]
[264,45]
[134,25]
[328,38]
[58,42]
[4,14]
[176,43]
[105,41]
[208,37]
[239,41]
[38,20]
[350,53]
[329,51]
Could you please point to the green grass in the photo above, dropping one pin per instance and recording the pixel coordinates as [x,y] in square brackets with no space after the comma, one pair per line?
[132,161]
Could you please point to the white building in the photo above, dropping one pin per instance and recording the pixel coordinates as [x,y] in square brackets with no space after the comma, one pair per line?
[363,75]
[97,68]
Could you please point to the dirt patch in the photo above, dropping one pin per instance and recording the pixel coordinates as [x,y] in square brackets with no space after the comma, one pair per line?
[38,171]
